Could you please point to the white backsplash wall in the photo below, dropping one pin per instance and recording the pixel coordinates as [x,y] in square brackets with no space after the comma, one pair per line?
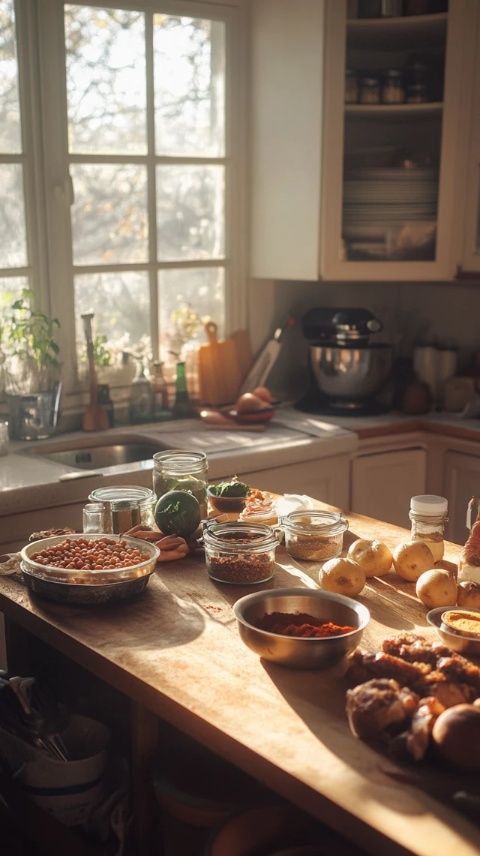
[445,313]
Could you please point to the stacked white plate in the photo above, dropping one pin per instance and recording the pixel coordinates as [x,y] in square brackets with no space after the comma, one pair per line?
[386,196]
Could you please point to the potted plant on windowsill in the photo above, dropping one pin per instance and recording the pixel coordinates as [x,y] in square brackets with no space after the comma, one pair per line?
[30,369]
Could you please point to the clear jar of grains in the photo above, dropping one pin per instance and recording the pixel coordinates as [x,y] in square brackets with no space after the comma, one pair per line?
[175,469]
[314,536]
[429,516]
[239,553]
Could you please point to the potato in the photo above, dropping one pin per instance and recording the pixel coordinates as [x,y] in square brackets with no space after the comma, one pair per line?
[374,557]
[412,559]
[456,734]
[468,594]
[342,576]
[436,587]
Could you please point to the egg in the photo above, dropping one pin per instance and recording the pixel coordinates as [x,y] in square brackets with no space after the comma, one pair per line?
[249,403]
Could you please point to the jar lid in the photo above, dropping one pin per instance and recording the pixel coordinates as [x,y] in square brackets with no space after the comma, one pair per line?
[122,495]
[181,461]
[315,522]
[232,537]
[429,504]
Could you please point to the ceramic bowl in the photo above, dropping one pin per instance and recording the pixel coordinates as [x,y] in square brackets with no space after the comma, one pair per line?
[226,503]
[456,641]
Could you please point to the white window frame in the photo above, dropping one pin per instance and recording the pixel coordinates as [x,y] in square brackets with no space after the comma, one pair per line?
[41,41]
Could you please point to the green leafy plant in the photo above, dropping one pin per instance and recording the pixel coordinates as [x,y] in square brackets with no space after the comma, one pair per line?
[29,354]
[101,354]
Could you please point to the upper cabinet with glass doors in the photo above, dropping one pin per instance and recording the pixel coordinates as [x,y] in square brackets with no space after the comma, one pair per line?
[380,180]
[470,261]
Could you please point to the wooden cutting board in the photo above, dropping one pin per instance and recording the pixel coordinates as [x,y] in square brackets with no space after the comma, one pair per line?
[218,369]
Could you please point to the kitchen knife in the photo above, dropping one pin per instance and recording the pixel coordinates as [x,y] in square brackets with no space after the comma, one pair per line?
[266,359]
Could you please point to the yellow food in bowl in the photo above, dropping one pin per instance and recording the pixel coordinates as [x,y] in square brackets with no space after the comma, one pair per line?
[463,622]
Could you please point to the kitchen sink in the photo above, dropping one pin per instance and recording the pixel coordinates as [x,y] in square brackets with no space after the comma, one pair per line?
[98,457]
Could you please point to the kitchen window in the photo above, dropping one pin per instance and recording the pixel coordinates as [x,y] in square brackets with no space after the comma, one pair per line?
[132,142]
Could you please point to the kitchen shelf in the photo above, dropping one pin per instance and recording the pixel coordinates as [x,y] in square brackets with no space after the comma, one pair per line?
[377,111]
[410,31]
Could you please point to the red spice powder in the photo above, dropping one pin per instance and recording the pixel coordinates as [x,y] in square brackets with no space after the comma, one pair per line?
[301,625]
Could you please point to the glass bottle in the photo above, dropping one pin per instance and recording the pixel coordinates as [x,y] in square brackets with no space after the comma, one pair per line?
[141,398]
[160,393]
[429,516]
[182,406]
[182,470]
[103,398]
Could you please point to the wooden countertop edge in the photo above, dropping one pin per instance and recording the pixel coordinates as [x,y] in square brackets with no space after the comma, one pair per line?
[447,430]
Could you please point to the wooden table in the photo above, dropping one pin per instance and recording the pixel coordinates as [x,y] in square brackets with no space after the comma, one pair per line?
[176,654]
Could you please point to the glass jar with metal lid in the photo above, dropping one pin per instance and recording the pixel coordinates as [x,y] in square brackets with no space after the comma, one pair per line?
[176,469]
[124,506]
[369,88]
[239,553]
[429,516]
[314,536]
[393,89]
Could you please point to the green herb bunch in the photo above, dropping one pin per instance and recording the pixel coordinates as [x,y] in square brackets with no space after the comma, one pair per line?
[29,354]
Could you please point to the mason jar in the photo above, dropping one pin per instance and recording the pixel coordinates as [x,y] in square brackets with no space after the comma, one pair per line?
[239,553]
[429,516]
[314,536]
[175,469]
[124,506]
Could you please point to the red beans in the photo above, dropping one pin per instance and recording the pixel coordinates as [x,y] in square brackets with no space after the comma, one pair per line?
[98,555]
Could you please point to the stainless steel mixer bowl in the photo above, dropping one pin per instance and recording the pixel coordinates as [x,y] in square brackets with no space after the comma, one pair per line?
[350,373]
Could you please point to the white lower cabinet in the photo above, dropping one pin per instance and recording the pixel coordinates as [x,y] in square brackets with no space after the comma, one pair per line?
[382,483]
[462,481]
[326,479]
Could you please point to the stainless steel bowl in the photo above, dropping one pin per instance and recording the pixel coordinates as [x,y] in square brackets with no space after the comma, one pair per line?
[295,652]
[72,585]
[455,641]
[83,594]
[350,373]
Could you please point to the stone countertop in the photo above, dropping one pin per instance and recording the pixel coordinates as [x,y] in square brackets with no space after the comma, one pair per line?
[28,480]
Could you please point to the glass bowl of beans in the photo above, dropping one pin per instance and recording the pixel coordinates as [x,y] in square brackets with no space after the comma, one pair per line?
[88,568]
[239,553]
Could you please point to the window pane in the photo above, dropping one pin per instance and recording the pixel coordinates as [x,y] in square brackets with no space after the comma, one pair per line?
[121,303]
[190,212]
[13,252]
[109,216]
[189,65]
[10,141]
[105,80]
[201,290]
